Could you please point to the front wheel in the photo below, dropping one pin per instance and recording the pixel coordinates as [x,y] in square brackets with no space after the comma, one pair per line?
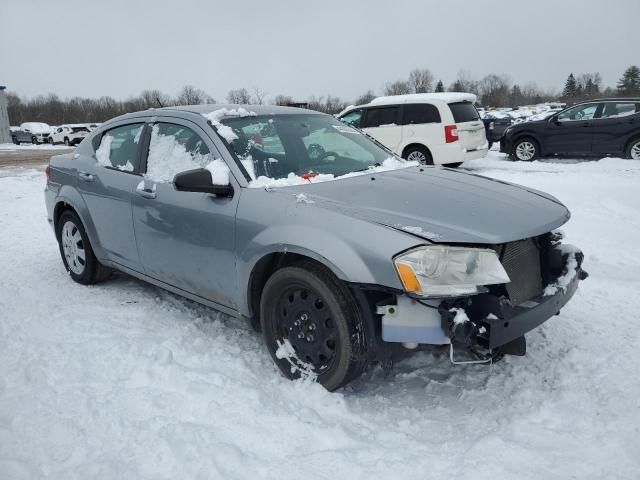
[77,254]
[66,141]
[525,150]
[312,326]
[50,141]
[633,152]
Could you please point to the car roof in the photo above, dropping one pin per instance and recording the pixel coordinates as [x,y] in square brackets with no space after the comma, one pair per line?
[446,97]
[612,99]
[257,109]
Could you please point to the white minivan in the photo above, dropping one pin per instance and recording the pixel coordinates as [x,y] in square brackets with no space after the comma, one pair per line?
[432,128]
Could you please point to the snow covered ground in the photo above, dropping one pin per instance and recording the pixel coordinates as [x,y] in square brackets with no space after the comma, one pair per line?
[125,381]
[30,146]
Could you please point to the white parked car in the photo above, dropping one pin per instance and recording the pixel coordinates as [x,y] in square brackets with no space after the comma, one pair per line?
[69,134]
[37,131]
[432,128]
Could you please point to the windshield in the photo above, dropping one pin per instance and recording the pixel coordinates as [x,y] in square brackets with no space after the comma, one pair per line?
[304,146]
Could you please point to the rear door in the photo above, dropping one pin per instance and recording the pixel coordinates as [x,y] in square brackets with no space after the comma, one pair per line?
[615,126]
[422,124]
[571,132]
[107,186]
[383,124]
[185,239]
[471,132]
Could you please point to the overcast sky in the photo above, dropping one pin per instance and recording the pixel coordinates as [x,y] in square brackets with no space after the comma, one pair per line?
[299,48]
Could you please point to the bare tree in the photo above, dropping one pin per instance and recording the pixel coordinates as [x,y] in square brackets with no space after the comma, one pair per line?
[365,97]
[399,87]
[190,95]
[259,95]
[282,100]
[420,80]
[240,96]
[465,83]
[495,90]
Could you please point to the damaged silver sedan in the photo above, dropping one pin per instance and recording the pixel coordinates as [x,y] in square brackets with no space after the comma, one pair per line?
[337,250]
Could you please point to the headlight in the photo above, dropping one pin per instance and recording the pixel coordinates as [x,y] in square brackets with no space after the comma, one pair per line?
[442,271]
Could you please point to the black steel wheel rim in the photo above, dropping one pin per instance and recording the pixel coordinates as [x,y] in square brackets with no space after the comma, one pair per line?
[305,319]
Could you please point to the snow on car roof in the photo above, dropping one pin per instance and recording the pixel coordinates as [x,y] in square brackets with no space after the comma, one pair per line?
[256,109]
[448,97]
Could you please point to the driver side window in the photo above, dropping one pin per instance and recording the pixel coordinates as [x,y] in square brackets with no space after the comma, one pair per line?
[580,112]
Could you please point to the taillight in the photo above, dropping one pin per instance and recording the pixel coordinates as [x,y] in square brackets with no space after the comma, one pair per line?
[47,171]
[451,133]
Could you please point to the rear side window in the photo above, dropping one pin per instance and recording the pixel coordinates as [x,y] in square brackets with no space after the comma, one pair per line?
[464,112]
[119,148]
[419,113]
[381,116]
[619,109]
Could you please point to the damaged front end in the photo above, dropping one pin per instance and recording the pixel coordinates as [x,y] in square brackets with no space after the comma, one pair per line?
[484,325]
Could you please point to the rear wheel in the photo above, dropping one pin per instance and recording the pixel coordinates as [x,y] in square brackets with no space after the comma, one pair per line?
[312,327]
[525,150]
[66,141]
[51,140]
[15,140]
[418,154]
[77,254]
[633,151]
[34,140]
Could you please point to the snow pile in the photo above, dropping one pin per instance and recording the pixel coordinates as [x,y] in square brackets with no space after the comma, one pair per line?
[219,172]
[223,130]
[168,157]
[448,97]
[460,316]
[391,163]
[103,152]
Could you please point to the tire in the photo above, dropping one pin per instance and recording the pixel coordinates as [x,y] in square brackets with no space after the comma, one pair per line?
[312,327]
[66,141]
[419,154]
[74,243]
[34,140]
[633,150]
[15,140]
[525,150]
[453,165]
[50,141]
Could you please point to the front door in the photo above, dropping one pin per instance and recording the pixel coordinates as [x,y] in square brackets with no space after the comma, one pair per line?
[383,124]
[185,239]
[107,186]
[571,132]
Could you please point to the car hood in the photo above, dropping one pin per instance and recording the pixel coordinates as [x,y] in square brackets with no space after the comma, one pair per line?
[438,204]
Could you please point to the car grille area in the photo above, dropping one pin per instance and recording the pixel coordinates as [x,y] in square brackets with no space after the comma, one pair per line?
[522,262]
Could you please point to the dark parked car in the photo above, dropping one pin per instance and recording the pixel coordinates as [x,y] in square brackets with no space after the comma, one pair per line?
[597,128]
[495,126]
[312,232]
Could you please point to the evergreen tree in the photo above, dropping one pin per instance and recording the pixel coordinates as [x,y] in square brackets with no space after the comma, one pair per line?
[439,86]
[570,87]
[629,84]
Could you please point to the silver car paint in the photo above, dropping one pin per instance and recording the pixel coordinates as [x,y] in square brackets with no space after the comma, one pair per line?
[206,247]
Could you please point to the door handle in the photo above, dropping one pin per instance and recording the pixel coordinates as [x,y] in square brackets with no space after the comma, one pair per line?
[146,192]
[85,176]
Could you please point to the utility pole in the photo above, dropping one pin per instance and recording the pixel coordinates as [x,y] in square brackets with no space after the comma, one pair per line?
[5,135]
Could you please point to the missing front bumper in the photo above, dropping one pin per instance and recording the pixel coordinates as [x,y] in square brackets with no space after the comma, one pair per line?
[487,321]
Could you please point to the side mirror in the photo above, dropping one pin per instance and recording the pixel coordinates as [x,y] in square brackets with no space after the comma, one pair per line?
[199,180]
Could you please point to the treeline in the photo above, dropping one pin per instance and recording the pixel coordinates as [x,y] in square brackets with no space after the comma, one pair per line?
[492,90]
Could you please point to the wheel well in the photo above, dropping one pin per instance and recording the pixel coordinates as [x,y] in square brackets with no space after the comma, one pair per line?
[630,142]
[527,136]
[266,267]
[411,145]
[58,210]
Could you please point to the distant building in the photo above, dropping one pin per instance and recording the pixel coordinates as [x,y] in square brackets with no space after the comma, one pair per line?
[5,135]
